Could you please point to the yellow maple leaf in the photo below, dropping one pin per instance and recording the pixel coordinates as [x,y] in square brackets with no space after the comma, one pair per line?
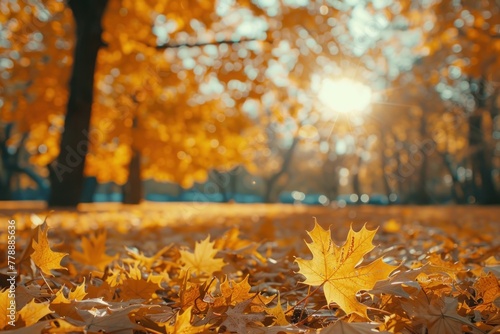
[343,327]
[43,257]
[77,294]
[231,241]
[278,313]
[60,298]
[203,260]
[147,262]
[183,324]
[94,251]
[60,326]
[32,312]
[9,308]
[234,293]
[336,267]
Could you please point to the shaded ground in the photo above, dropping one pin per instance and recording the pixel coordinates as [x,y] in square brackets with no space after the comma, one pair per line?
[166,214]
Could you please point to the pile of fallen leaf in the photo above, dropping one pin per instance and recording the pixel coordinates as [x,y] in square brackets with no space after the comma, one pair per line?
[254,275]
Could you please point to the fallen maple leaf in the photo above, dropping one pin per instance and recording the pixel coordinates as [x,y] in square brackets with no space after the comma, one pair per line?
[110,320]
[183,324]
[238,321]
[343,327]
[487,289]
[132,288]
[336,268]
[5,304]
[234,293]
[60,326]
[142,260]
[43,257]
[231,242]
[94,251]
[77,294]
[203,260]
[72,308]
[397,283]
[32,312]
[64,306]
[437,315]
[278,313]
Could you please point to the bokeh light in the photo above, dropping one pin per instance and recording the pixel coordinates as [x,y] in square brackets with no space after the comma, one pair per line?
[344,95]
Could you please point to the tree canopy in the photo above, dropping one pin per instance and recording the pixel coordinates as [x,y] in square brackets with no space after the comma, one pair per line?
[183,87]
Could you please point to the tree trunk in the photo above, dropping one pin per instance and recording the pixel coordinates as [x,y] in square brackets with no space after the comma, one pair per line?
[233,181]
[5,187]
[356,184]
[422,196]
[132,190]
[400,186]
[271,182]
[7,163]
[482,176]
[457,189]
[222,180]
[482,171]
[13,166]
[383,165]
[66,172]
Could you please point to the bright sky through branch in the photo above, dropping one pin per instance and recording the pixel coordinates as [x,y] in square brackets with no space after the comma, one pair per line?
[344,95]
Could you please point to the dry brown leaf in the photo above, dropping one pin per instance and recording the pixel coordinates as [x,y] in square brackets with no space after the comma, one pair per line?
[437,315]
[110,320]
[240,322]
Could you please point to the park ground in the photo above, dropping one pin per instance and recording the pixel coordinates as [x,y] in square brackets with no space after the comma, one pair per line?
[263,242]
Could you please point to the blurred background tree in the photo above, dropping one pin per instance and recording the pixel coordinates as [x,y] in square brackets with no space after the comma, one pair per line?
[185,92]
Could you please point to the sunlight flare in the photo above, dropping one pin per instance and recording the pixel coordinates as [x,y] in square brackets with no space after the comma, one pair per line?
[344,95]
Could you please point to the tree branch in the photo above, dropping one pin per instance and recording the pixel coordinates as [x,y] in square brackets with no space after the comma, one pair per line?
[198,44]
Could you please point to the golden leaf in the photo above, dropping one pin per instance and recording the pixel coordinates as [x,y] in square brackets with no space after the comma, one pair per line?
[43,257]
[203,260]
[32,312]
[278,313]
[94,251]
[5,304]
[62,326]
[183,324]
[336,268]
